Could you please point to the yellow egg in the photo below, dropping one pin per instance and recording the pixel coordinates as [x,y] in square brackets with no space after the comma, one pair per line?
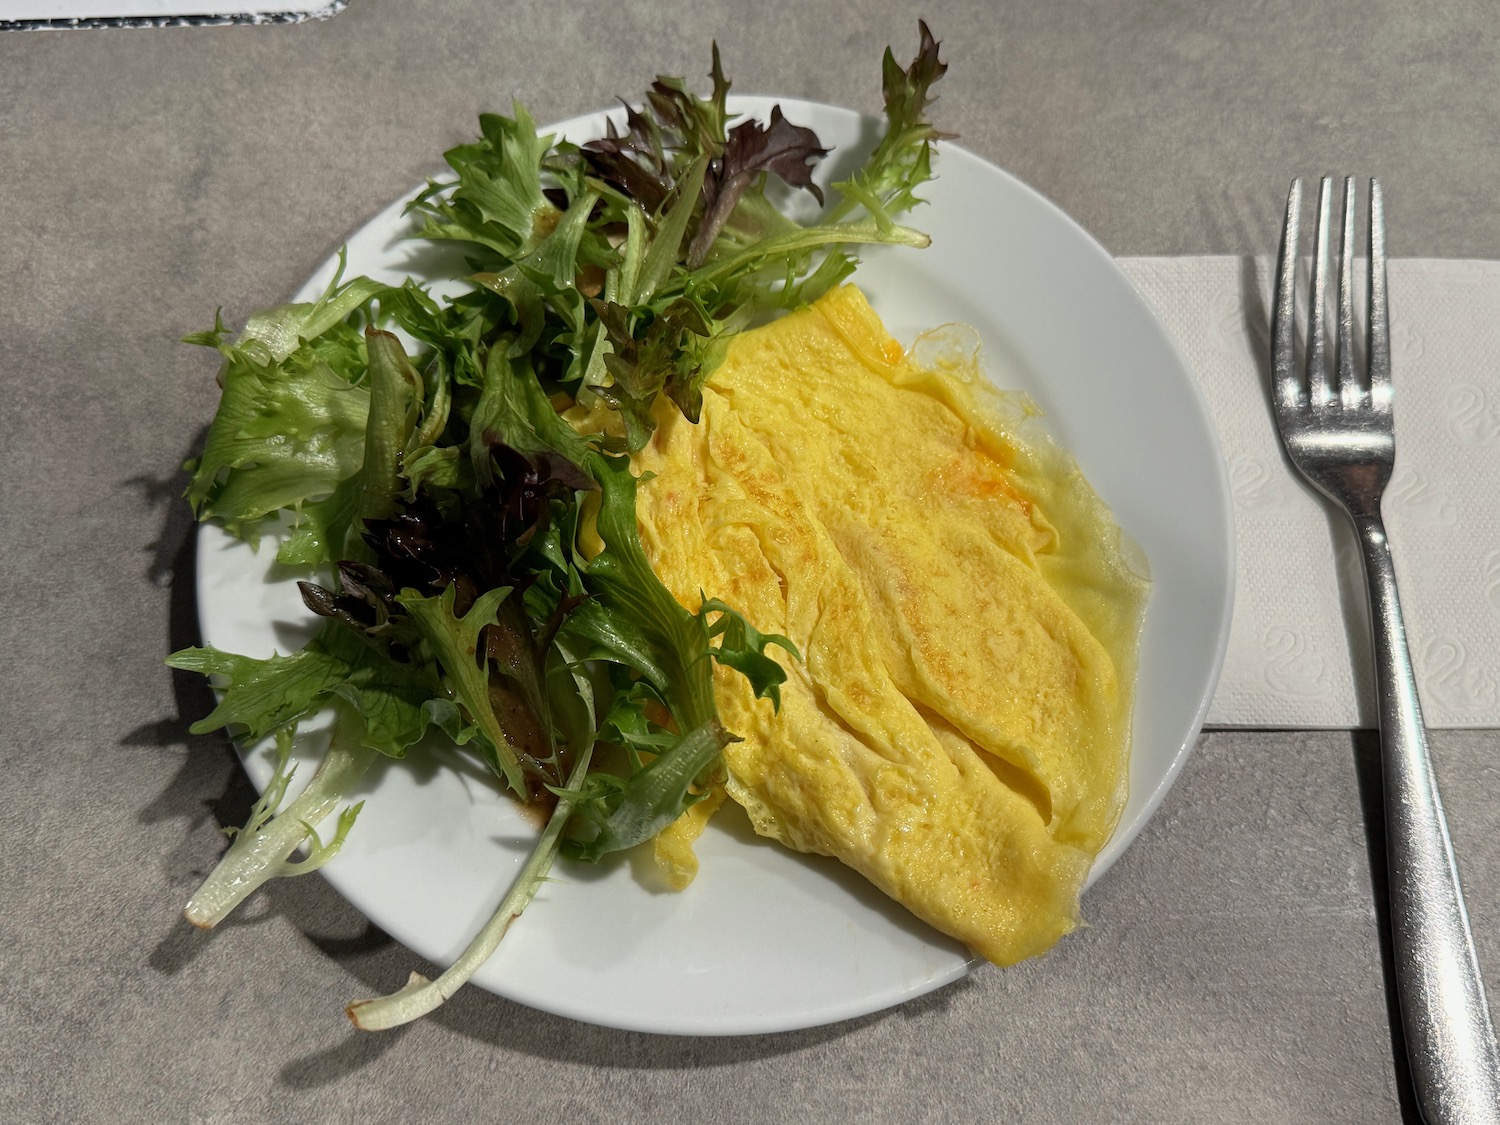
[967,614]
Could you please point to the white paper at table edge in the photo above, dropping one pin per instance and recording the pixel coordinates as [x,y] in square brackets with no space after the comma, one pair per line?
[62,12]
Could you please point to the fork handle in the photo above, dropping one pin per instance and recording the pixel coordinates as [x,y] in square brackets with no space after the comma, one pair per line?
[1450,1042]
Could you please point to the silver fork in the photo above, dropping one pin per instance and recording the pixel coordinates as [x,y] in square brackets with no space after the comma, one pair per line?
[1337,429]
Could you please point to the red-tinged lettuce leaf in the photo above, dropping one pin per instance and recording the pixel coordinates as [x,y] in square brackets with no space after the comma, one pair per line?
[674,130]
[886,185]
[698,122]
[636,162]
[752,151]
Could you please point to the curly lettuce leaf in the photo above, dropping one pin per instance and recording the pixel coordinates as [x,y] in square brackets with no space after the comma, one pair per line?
[743,647]
[634,621]
[886,184]
[456,645]
[259,697]
[285,433]
[498,200]
[291,427]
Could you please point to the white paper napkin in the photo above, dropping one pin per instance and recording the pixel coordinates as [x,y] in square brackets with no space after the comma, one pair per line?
[1299,644]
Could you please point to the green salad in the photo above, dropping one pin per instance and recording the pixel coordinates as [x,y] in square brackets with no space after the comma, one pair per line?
[424,462]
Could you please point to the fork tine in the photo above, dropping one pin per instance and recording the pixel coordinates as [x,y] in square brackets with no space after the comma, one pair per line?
[1286,385]
[1350,390]
[1379,328]
[1319,389]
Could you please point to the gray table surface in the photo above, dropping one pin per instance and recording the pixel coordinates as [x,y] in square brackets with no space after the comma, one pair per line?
[1232,969]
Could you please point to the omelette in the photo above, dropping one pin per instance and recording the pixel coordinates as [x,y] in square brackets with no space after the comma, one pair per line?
[966,612]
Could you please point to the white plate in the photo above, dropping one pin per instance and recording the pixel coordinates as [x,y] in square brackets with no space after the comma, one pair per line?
[767,940]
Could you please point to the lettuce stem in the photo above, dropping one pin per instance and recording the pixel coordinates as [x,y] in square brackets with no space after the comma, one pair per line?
[420,995]
[264,853]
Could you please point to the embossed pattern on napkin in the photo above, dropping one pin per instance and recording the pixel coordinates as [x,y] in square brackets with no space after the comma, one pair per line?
[1299,643]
